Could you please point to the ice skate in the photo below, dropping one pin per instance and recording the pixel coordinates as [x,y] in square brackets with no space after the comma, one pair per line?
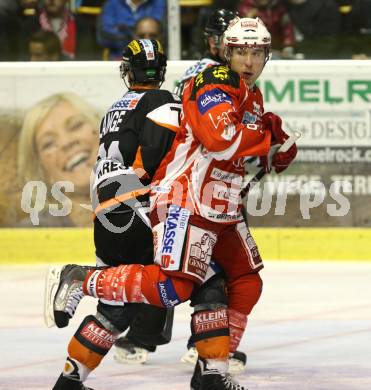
[65,383]
[190,356]
[207,377]
[127,352]
[63,293]
[237,362]
[70,378]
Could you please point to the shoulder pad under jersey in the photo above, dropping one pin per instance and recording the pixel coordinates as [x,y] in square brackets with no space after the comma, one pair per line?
[217,75]
[198,67]
[157,97]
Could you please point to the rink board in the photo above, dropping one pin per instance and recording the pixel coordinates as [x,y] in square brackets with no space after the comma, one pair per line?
[66,245]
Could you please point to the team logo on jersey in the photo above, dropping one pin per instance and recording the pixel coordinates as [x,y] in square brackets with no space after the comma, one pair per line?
[199,79]
[221,72]
[212,98]
[222,119]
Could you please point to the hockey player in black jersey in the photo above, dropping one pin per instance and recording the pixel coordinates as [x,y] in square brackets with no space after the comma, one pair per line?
[135,135]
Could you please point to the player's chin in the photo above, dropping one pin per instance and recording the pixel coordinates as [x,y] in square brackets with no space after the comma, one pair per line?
[249,81]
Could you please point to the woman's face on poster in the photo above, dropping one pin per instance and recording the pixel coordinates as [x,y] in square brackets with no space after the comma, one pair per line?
[67,144]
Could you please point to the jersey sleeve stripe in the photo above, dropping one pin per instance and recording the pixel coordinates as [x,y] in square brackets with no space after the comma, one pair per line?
[120,199]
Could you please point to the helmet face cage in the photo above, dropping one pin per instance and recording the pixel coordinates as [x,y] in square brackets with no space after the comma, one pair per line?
[247,32]
[144,61]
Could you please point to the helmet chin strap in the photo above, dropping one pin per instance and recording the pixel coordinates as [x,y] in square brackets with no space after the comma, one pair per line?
[127,81]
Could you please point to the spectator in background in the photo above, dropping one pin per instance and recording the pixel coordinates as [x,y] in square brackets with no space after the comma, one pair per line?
[317,24]
[8,29]
[148,28]
[74,32]
[118,19]
[277,19]
[355,32]
[332,29]
[56,17]
[86,13]
[45,46]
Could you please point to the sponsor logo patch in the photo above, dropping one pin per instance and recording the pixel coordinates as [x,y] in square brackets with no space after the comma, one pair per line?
[172,242]
[200,254]
[207,321]
[225,176]
[168,296]
[249,23]
[212,98]
[100,337]
[248,117]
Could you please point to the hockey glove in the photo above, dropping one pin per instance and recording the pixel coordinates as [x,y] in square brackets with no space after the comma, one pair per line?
[265,164]
[281,160]
[273,123]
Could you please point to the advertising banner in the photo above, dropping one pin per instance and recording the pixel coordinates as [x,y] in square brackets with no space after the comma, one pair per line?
[50,115]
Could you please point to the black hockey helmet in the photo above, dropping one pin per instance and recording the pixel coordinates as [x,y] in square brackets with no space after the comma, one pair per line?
[144,61]
[218,22]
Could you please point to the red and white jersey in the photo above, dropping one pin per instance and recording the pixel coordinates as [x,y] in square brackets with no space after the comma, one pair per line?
[221,127]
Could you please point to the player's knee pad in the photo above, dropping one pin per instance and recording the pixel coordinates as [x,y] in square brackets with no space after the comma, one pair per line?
[151,325]
[92,341]
[118,316]
[210,326]
[211,292]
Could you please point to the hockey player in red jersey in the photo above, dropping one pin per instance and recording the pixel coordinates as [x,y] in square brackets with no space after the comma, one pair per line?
[196,203]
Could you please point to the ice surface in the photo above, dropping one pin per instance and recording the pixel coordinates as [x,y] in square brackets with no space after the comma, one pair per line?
[310,330]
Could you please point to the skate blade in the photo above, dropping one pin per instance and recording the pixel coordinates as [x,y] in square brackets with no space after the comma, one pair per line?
[123,356]
[190,356]
[235,366]
[52,279]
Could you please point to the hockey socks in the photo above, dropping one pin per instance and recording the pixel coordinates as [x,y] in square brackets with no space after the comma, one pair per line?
[135,283]
[237,325]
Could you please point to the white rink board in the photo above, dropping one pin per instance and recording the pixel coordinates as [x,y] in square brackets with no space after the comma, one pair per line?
[310,330]
[328,101]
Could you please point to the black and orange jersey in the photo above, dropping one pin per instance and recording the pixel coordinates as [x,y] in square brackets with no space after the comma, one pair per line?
[135,135]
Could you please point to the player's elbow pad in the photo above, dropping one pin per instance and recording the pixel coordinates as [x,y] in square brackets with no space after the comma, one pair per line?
[228,152]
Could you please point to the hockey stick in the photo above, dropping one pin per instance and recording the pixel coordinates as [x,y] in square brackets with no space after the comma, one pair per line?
[275,149]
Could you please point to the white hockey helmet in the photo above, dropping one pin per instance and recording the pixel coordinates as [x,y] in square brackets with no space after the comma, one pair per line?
[247,32]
